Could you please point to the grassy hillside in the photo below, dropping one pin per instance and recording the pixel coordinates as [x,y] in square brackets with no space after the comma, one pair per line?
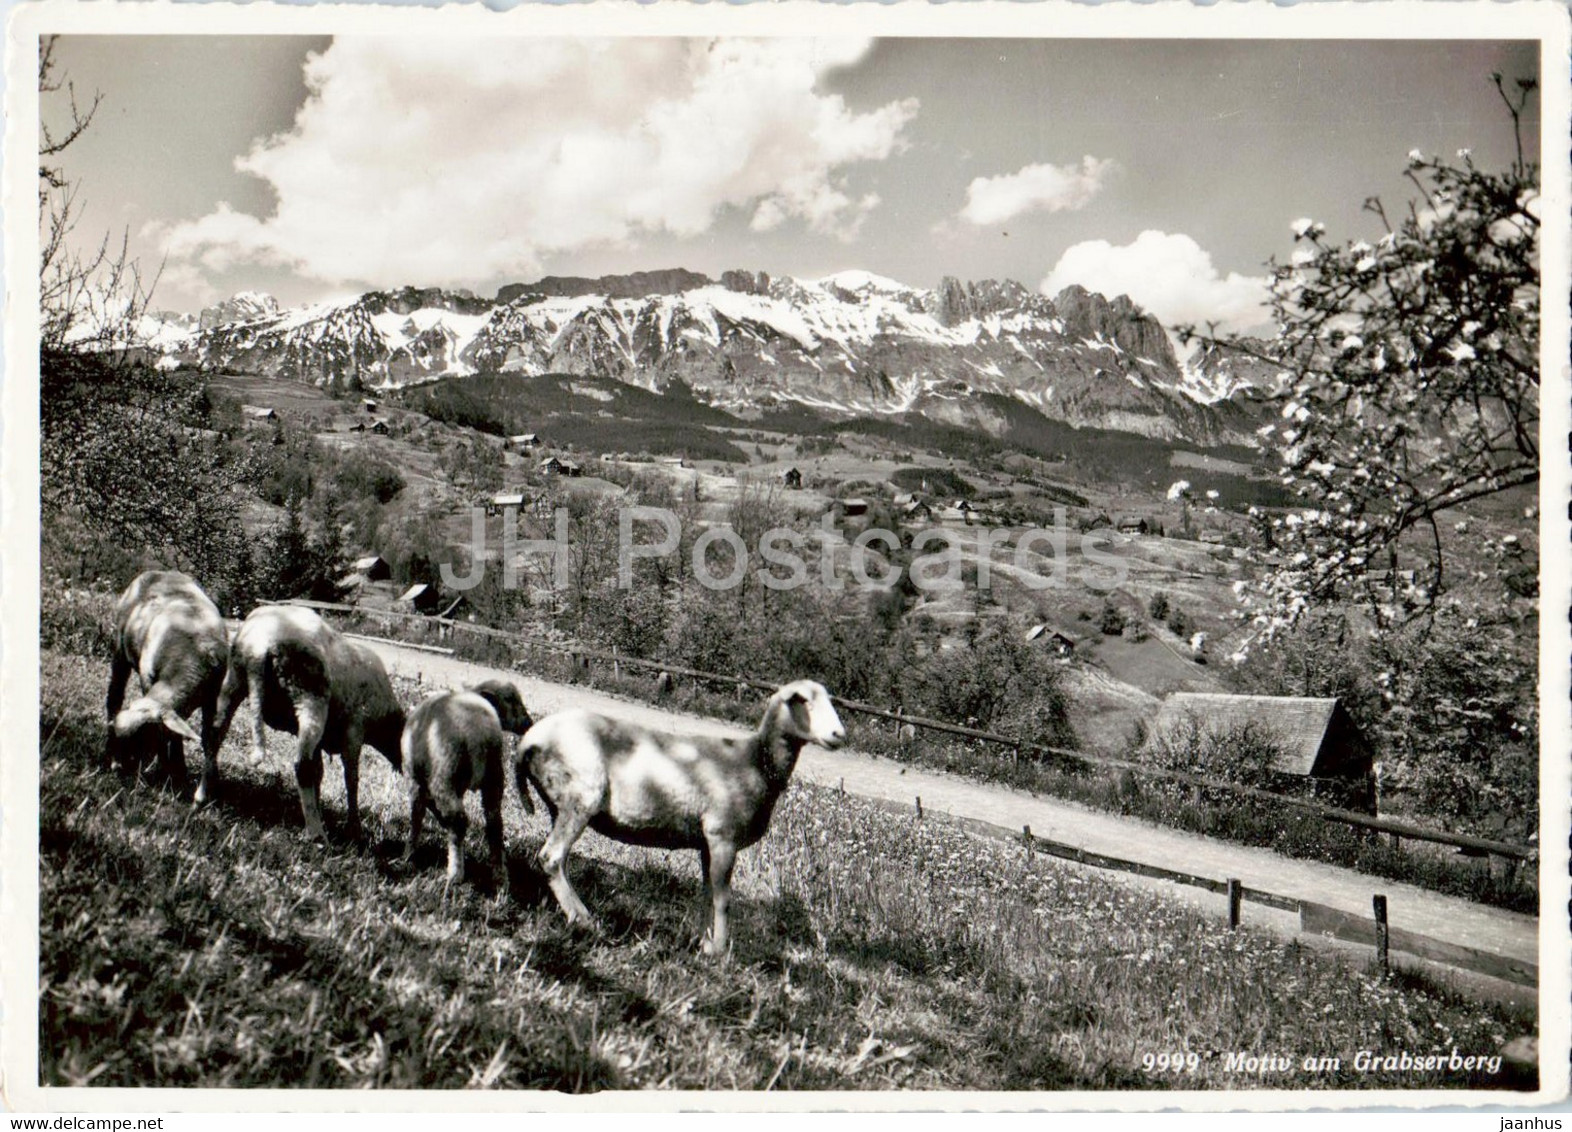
[873,951]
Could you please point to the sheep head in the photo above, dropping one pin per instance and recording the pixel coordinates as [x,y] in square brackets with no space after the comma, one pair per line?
[806,714]
[508,704]
[146,712]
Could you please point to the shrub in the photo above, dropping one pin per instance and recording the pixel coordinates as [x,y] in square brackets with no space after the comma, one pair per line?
[1111,620]
[1158,606]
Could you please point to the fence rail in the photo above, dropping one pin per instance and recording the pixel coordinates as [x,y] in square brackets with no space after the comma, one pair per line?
[580,653]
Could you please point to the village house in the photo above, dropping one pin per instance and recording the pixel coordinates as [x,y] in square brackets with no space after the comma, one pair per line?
[420,597]
[371,406]
[917,510]
[1133,525]
[1322,749]
[1057,639]
[259,414]
[373,568]
[506,501]
[852,508]
[557,466]
[380,427]
[524,440]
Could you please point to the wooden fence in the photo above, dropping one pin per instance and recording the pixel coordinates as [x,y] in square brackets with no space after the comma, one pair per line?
[1314,918]
[583,655]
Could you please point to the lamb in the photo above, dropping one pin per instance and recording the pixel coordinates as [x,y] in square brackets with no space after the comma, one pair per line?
[169,632]
[650,788]
[333,694]
[452,741]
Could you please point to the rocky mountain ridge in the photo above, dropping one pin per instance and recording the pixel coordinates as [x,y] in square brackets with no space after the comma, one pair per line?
[849,343]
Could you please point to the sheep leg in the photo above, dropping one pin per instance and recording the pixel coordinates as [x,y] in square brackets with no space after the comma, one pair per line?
[207,786]
[417,818]
[229,697]
[352,787]
[173,753]
[119,674]
[491,806]
[570,823]
[449,806]
[308,767]
[722,856]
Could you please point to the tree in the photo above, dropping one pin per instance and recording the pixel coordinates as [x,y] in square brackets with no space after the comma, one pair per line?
[1412,369]
[89,297]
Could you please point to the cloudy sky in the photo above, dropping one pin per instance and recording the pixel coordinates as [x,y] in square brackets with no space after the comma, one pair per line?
[1169,170]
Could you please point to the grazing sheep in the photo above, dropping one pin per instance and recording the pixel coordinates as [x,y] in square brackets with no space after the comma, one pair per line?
[169,632]
[452,741]
[333,694]
[665,791]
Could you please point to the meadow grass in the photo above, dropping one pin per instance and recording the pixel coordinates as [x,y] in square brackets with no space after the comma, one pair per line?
[872,951]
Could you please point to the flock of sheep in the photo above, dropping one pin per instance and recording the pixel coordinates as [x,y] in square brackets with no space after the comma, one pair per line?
[627,782]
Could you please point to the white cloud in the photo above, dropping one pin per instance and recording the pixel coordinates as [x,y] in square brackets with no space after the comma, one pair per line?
[431,162]
[1036,188]
[1170,275]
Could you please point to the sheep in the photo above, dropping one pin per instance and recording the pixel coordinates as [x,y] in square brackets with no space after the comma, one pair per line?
[650,788]
[454,740]
[169,632]
[333,694]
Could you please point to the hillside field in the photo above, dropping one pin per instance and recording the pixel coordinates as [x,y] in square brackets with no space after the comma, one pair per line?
[872,951]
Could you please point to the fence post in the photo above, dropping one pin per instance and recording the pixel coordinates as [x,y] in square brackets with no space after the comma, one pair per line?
[919,807]
[843,785]
[1026,835]
[1383,935]
[1235,898]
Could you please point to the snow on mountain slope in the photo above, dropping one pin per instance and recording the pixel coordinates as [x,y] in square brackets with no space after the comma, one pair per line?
[851,342]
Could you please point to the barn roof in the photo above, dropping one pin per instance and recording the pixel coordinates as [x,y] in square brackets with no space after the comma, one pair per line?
[414,591]
[369,562]
[508,499]
[1301,724]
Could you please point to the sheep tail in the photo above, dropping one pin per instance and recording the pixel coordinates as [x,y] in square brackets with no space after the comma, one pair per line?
[521,778]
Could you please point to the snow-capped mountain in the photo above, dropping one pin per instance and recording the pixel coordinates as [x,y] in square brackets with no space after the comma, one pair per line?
[852,342]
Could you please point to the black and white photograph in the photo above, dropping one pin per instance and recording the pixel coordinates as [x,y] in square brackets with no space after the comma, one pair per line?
[923,554]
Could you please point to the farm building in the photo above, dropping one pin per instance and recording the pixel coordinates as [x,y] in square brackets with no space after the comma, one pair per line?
[1134,525]
[1217,538]
[379,426]
[358,426]
[420,597]
[1096,522]
[1063,643]
[1321,744]
[506,501]
[371,406]
[792,478]
[373,567]
[525,440]
[259,413]
[557,466]
[853,507]
[917,510]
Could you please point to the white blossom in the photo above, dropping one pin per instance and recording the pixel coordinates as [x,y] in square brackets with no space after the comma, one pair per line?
[1178,489]
[1302,226]
[1366,263]
[1416,156]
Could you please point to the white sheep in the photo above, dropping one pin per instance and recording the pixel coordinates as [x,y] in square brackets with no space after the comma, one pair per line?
[333,694]
[665,791]
[454,741]
[169,632]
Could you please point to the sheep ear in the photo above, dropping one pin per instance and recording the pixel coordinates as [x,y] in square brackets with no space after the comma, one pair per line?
[179,726]
[796,698]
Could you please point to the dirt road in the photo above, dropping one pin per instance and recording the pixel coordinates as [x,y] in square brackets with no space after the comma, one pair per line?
[1443,917]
